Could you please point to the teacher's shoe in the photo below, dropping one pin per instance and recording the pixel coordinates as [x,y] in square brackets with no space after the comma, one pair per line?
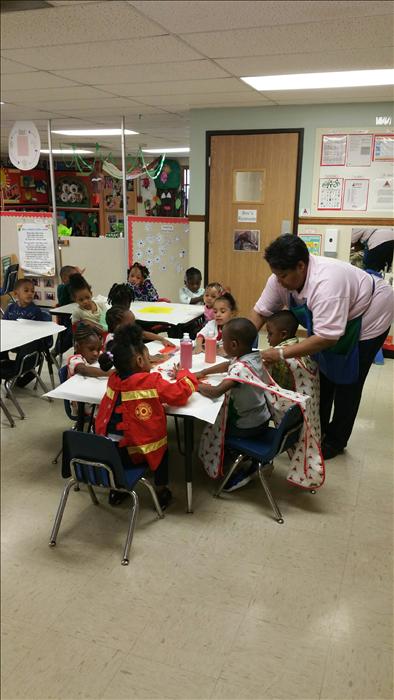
[329,451]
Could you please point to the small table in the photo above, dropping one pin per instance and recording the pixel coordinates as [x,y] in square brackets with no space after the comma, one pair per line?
[14,334]
[91,390]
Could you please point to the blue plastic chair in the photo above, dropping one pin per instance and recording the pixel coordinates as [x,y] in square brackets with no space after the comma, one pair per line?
[263,450]
[63,376]
[94,460]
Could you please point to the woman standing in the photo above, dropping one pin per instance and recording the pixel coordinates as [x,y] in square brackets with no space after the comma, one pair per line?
[347,314]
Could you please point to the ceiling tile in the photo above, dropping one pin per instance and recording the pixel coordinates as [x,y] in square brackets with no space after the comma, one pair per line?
[105,53]
[38,80]
[326,36]
[116,104]
[75,23]
[175,101]
[199,16]
[63,94]
[11,67]
[186,70]
[178,87]
[309,62]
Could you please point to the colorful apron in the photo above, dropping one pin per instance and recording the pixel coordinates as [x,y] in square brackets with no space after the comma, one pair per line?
[307,464]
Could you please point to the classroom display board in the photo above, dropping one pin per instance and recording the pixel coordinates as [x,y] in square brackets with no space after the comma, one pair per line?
[27,239]
[354,173]
[162,244]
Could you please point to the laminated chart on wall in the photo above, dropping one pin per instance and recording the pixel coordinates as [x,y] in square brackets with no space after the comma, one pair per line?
[36,249]
[162,245]
[353,172]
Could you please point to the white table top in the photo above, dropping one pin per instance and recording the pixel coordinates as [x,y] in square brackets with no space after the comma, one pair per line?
[151,311]
[92,390]
[20,332]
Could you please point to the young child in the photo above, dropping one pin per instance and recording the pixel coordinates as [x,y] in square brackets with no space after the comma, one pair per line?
[248,411]
[24,306]
[87,349]
[63,289]
[224,308]
[212,291]
[192,292]
[140,418]
[118,317]
[138,279]
[121,295]
[89,310]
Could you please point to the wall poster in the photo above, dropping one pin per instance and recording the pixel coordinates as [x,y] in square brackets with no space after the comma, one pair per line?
[247,240]
[36,250]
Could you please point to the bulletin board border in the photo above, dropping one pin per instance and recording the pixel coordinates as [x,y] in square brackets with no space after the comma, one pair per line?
[148,220]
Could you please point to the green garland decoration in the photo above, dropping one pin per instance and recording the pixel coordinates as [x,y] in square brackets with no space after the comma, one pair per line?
[84,166]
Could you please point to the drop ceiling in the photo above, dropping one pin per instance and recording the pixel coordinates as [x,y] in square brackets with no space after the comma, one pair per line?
[86,63]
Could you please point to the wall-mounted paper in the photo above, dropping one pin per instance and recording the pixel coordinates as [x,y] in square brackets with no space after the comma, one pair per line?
[384,147]
[356,195]
[313,242]
[245,215]
[36,250]
[246,240]
[359,150]
[382,194]
[330,193]
[333,149]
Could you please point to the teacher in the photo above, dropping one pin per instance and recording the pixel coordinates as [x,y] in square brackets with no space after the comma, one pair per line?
[347,313]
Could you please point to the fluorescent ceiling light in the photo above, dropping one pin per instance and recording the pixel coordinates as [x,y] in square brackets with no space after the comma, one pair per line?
[316,81]
[185,149]
[93,132]
[66,151]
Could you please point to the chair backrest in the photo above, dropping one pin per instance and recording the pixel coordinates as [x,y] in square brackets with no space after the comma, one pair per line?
[27,358]
[63,376]
[92,459]
[288,430]
[10,278]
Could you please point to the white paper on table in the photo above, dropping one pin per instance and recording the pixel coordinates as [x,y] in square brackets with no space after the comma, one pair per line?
[359,150]
[356,195]
[14,334]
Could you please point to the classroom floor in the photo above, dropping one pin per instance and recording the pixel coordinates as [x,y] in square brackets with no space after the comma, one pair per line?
[224,603]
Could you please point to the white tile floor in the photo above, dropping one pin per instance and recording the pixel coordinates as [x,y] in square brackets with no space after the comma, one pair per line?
[224,603]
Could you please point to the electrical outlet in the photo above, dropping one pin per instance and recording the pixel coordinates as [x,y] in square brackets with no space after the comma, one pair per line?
[331,240]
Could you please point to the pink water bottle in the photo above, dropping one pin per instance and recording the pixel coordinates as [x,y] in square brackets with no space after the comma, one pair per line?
[186,347]
[210,348]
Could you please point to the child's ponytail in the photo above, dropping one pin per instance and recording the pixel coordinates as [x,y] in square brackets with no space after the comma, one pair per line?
[127,342]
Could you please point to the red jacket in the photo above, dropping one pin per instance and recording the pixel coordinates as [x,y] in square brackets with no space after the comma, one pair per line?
[142,417]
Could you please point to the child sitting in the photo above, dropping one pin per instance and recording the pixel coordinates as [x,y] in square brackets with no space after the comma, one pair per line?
[121,295]
[138,279]
[212,291]
[192,292]
[140,419]
[118,316]
[281,331]
[24,306]
[89,310]
[87,349]
[63,289]
[224,308]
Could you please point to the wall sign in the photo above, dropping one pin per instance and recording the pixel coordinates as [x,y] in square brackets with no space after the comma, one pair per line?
[247,215]
[24,145]
[312,242]
[36,250]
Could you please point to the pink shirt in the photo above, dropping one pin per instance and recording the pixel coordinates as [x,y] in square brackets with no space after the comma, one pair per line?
[335,292]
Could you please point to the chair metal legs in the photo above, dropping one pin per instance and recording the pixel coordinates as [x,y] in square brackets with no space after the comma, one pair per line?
[154,496]
[273,504]
[131,528]
[8,387]
[60,511]
[7,413]
[232,469]
[93,495]
[54,461]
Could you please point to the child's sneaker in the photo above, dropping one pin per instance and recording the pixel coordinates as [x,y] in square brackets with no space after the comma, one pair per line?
[241,477]
[164,496]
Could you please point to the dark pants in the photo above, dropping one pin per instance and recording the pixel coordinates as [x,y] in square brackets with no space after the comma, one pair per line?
[379,257]
[345,397]
[232,431]
[160,475]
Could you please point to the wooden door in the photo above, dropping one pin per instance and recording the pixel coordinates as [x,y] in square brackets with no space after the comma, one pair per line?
[267,165]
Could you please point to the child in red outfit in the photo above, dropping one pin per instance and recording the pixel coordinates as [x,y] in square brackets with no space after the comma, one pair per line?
[133,406]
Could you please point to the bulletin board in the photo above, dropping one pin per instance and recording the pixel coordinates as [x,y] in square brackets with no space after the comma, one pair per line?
[44,287]
[354,173]
[162,244]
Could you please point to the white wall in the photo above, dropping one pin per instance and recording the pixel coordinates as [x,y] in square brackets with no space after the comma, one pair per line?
[104,259]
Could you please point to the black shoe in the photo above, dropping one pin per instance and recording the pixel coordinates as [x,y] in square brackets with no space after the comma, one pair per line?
[115,498]
[329,451]
[164,496]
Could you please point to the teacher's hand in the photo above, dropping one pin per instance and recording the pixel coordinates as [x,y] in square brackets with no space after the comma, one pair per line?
[270,356]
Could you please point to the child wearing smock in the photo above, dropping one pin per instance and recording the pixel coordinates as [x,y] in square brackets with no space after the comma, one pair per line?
[91,311]
[192,292]
[224,308]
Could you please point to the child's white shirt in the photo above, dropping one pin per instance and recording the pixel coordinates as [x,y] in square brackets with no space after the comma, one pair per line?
[186,295]
[210,329]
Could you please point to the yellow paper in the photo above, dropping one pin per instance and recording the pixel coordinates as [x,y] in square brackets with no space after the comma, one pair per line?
[156,310]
